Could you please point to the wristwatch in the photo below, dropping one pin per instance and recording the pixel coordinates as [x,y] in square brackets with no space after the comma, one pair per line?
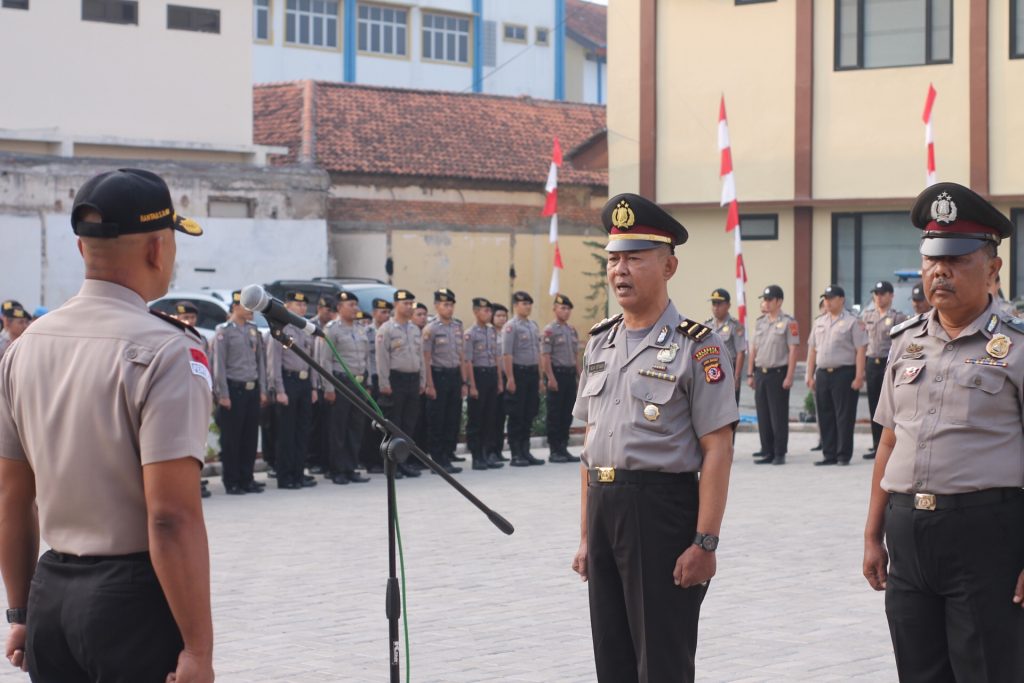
[17,616]
[706,542]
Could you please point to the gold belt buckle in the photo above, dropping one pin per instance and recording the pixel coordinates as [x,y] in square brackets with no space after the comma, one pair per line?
[359,379]
[606,475]
[830,370]
[924,501]
[249,386]
[303,374]
[764,371]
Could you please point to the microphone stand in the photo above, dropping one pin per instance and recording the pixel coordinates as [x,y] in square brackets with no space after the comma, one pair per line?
[395,448]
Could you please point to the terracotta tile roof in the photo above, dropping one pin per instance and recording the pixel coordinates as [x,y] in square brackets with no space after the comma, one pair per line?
[369,130]
[587,23]
[378,213]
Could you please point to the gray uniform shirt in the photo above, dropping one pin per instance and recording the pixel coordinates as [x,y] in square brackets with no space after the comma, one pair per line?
[400,348]
[772,339]
[280,359]
[444,342]
[352,344]
[521,339]
[135,390]
[481,346]
[643,413]
[371,340]
[237,356]
[957,411]
[836,340]
[732,334]
[562,343]
[878,325]
[5,341]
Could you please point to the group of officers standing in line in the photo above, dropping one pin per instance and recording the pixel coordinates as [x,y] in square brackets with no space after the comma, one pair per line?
[418,371]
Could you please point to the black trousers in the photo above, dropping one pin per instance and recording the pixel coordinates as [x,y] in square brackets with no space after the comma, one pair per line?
[99,619]
[836,404]
[560,403]
[951,577]
[318,447]
[875,373]
[293,422]
[483,436]
[500,418]
[444,414]
[772,403]
[644,626]
[239,428]
[523,405]
[403,405]
[345,427]
[268,432]
[369,450]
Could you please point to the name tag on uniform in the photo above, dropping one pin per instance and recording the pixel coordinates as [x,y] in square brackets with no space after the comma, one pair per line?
[441,340]
[596,367]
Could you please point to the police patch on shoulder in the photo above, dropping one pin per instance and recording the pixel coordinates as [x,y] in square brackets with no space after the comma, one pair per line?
[200,366]
[693,329]
[907,324]
[707,351]
[605,324]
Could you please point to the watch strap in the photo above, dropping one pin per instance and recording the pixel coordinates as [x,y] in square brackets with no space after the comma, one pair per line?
[17,615]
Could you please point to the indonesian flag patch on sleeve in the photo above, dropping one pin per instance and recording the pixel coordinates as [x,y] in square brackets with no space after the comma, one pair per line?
[200,366]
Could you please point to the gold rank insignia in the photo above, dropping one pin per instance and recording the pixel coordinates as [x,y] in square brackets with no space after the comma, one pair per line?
[998,346]
[651,412]
[623,217]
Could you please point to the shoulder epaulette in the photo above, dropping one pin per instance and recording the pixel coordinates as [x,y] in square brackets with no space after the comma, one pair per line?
[1014,323]
[694,330]
[907,324]
[177,323]
[605,324]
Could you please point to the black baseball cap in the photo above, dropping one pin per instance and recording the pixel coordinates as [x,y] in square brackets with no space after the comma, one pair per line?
[520,296]
[382,305]
[128,200]
[563,300]
[420,306]
[957,220]
[882,287]
[185,307]
[720,295]
[480,302]
[296,296]
[444,294]
[833,291]
[345,295]
[404,295]
[917,293]
[16,312]
[771,292]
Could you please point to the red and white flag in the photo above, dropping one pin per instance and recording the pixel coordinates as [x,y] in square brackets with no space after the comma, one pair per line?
[551,209]
[732,220]
[929,136]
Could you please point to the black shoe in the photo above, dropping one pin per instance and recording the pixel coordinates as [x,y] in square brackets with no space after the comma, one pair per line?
[449,468]
[289,485]
[500,457]
[779,460]
[569,457]
[340,479]
[558,457]
[529,457]
[493,463]
[376,469]
[757,454]
[307,482]
[869,456]
[204,482]
[408,471]
[843,463]
[355,477]
[520,462]
[817,448]
[204,492]
[457,458]
[479,464]
[824,463]
[252,487]
[258,484]
[316,469]
[234,490]
[768,460]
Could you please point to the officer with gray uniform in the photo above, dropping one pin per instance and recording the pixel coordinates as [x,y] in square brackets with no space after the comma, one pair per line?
[734,337]
[345,423]
[770,373]
[319,446]
[108,475]
[481,361]
[499,318]
[836,350]
[520,352]
[446,382]
[559,353]
[944,536]
[919,301]
[649,530]
[295,387]
[369,455]
[239,388]
[16,320]
[400,368]
[879,319]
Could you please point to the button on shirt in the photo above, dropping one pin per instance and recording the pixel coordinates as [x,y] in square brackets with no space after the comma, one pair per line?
[399,348]
[443,341]
[958,423]
[281,360]
[520,338]
[772,339]
[562,342]
[237,356]
[836,340]
[733,336]
[481,346]
[878,325]
[352,344]
[135,390]
[696,398]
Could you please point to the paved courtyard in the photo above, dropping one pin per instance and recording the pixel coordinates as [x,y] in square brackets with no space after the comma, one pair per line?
[298,579]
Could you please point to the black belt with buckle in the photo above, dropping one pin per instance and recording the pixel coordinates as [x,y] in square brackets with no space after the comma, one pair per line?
[838,368]
[295,374]
[610,475]
[68,558]
[444,371]
[563,369]
[765,371]
[876,360]
[932,501]
[241,384]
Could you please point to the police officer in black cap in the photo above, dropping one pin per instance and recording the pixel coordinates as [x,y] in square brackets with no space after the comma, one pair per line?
[499,318]
[918,300]
[945,530]
[16,320]
[879,319]
[560,362]
[446,381]
[520,348]
[369,451]
[730,330]
[319,448]
[481,356]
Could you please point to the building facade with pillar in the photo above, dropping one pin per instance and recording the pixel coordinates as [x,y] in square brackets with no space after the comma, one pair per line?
[825,103]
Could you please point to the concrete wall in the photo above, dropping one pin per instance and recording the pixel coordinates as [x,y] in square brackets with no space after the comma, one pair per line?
[1005,123]
[79,77]
[624,105]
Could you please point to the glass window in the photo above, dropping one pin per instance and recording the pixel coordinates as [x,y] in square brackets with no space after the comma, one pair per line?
[1017,31]
[515,33]
[261,19]
[193,19]
[15,4]
[382,30]
[881,33]
[490,43]
[111,11]
[311,22]
[763,226]
[445,38]
[543,36]
[867,247]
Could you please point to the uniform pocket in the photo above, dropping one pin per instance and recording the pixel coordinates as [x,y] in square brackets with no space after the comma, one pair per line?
[906,389]
[978,386]
[594,385]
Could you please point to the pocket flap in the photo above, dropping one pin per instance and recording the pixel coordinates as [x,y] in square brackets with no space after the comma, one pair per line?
[594,384]
[650,390]
[989,380]
[908,374]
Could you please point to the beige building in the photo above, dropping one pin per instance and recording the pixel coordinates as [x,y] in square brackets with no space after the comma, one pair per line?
[825,104]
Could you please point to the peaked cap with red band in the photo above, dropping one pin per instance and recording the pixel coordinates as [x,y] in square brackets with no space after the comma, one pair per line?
[635,224]
[957,220]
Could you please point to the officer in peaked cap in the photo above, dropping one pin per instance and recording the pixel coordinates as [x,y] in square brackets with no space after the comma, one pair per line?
[481,355]
[730,330]
[499,318]
[650,377]
[369,451]
[945,530]
[447,385]
[520,349]
[559,354]
[878,319]
[400,369]
[770,370]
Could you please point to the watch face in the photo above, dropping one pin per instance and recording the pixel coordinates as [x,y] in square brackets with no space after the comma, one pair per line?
[709,543]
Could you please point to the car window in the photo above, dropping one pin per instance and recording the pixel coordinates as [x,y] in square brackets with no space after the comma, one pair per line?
[210,314]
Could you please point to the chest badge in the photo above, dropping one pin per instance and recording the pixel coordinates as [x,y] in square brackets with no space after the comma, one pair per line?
[725,329]
[998,346]
[669,354]
[914,348]
[663,335]
[888,322]
[780,324]
[651,412]
[911,372]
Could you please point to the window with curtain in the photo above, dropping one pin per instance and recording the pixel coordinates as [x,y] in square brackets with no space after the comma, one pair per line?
[884,33]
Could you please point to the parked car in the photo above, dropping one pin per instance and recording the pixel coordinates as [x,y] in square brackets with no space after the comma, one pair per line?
[367,289]
[212,310]
[313,289]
